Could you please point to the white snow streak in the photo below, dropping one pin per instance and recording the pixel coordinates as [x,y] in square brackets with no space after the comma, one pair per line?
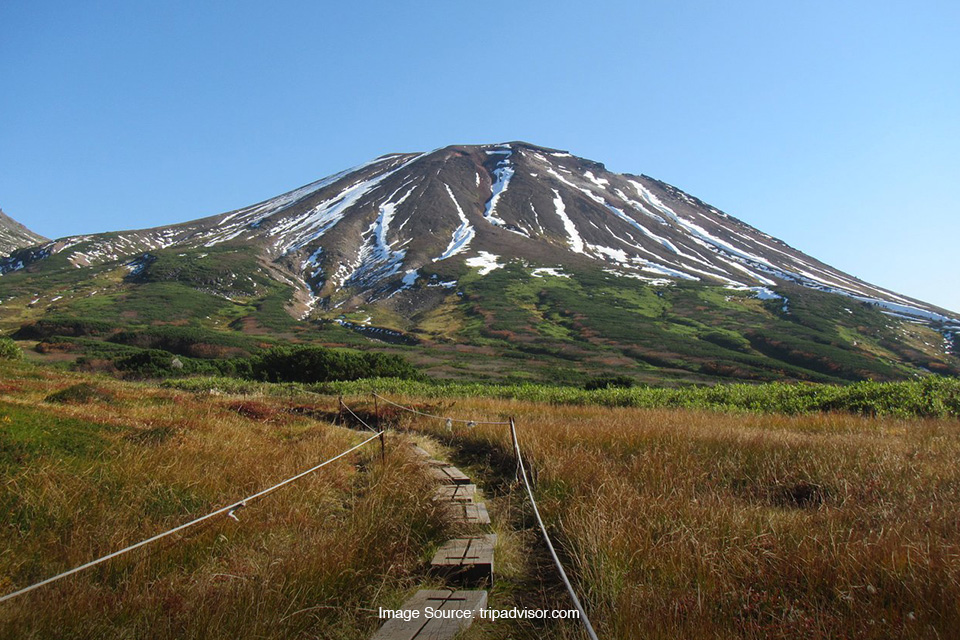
[462,235]
[503,172]
[295,233]
[575,241]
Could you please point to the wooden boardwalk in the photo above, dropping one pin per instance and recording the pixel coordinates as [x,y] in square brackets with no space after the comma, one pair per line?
[457,492]
[442,614]
[462,606]
[467,560]
[448,474]
[468,512]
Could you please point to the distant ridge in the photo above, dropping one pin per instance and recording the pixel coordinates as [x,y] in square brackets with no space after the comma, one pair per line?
[14,235]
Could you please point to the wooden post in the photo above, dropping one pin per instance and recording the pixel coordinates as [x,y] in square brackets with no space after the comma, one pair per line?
[340,410]
[516,448]
[376,413]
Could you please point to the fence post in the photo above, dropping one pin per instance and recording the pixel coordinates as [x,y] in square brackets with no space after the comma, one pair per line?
[376,413]
[516,448]
[340,410]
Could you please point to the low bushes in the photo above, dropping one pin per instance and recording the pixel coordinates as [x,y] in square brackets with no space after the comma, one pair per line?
[303,364]
[9,350]
[934,396]
[317,364]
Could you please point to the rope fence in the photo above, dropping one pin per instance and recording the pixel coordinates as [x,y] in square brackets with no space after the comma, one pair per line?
[546,536]
[430,415]
[229,510]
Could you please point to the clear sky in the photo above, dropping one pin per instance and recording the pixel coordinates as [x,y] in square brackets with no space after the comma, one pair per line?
[834,126]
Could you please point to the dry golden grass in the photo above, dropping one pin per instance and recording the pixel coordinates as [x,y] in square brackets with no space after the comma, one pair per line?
[672,523]
[311,560]
[682,524]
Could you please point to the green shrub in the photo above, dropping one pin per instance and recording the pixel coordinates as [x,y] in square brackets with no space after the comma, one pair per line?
[82,393]
[609,381]
[48,327]
[193,342]
[151,363]
[727,340]
[318,364]
[9,350]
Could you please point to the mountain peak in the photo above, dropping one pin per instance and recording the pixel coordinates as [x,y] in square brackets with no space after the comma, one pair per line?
[401,234]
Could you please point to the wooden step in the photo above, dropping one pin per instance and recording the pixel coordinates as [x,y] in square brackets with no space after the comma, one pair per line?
[423,628]
[468,560]
[449,475]
[457,492]
[468,513]
[420,452]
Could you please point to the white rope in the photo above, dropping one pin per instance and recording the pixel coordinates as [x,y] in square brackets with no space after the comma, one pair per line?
[430,415]
[546,537]
[228,510]
[358,418]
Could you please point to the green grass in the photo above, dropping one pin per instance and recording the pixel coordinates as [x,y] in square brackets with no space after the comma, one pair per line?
[28,433]
[546,330]
[930,397]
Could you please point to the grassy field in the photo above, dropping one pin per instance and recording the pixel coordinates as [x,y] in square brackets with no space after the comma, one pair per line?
[931,397]
[93,468]
[673,522]
[694,524]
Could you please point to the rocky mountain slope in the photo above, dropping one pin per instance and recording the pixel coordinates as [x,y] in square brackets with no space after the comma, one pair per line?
[14,235]
[501,247]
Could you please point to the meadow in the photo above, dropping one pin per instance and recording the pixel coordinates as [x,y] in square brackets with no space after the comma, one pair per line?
[934,396]
[89,465]
[698,524]
[674,522]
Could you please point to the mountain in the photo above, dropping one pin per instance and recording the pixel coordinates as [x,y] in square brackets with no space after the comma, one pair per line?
[14,235]
[473,256]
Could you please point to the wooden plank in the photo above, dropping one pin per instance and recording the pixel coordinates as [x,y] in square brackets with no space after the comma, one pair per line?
[423,628]
[468,512]
[449,475]
[457,492]
[468,560]
[420,452]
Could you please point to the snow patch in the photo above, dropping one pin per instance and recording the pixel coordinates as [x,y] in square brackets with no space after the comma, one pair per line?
[761,293]
[296,232]
[484,261]
[600,182]
[410,277]
[549,271]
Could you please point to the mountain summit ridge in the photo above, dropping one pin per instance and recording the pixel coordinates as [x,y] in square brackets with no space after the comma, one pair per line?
[347,229]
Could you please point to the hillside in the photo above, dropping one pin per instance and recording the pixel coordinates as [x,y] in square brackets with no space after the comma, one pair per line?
[468,257]
[14,235]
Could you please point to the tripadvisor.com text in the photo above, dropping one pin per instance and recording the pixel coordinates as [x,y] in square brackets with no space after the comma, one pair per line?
[430,613]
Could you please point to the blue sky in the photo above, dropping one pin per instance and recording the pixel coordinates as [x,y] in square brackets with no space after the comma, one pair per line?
[833,126]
